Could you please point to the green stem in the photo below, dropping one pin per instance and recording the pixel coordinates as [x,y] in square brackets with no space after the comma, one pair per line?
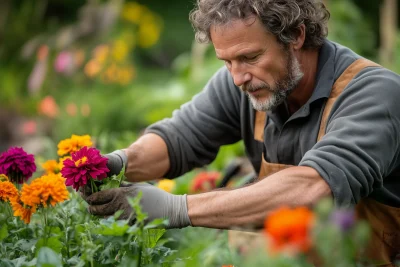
[140,254]
[9,209]
[94,186]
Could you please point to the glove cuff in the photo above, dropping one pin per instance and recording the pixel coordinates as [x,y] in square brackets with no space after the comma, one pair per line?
[180,217]
[116,161]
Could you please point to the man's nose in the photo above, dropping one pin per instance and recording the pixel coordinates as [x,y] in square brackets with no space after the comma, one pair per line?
[240,75]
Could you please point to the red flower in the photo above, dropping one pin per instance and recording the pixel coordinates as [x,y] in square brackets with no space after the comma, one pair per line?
[17,165]
[205,181]
[86,163]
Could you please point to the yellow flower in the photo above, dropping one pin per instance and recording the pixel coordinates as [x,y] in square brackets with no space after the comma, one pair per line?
[8,191]
[132,12]
[149,30]
[76,142]
[61,162]
[120,50]
[47,190]
[166,185]
[51,166]
[3,178]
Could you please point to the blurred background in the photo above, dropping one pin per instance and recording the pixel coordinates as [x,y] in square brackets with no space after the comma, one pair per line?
[109,68]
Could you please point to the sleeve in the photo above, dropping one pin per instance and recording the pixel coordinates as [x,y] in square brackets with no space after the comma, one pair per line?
[361,145]
[196,131]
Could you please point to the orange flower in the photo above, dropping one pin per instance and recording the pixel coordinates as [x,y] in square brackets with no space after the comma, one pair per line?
[51,166]
[205,181]
[48,107]
[21,211]
[8,191]
[289,229]
[76,142]
[47,190]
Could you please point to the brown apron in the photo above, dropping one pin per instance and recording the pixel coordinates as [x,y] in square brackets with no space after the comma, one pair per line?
[383,220]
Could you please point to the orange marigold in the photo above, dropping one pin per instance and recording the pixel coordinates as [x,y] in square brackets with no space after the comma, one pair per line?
[76,142]
[289,229]
[51,166]
[8,191]
[21,211]
[48,189]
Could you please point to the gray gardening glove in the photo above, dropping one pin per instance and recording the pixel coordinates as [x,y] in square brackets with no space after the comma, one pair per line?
[155,202]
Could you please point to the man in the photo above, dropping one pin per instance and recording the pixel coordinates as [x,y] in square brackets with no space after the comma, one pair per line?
[321,121]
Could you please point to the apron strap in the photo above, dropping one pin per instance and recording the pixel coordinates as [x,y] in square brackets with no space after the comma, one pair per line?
[338,88]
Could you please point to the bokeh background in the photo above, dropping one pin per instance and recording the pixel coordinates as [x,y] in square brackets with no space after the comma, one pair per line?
[109,68]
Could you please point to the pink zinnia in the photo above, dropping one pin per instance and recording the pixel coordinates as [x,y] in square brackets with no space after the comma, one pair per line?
[17,165]
[86,163]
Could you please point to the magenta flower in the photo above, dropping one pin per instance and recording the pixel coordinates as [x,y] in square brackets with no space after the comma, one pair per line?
[86,164]
[17,165]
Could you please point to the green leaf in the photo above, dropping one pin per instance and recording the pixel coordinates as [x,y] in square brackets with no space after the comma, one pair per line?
[52,242]
[3,232]
[113,181]
[118,228]
[48,258]
[156,223]
[152,237]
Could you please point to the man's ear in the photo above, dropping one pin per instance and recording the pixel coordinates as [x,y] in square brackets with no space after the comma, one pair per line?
[299,42]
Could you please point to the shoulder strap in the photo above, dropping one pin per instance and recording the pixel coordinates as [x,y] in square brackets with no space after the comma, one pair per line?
[338,88]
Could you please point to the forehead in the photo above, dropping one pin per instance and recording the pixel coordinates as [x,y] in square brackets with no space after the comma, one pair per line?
[240,35]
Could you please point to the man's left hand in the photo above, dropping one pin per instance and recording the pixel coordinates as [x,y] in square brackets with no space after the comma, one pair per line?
[155,202]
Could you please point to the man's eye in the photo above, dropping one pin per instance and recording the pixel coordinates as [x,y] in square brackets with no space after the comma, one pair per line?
[251,58]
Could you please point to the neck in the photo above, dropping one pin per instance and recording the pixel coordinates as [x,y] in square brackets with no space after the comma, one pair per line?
[308,60]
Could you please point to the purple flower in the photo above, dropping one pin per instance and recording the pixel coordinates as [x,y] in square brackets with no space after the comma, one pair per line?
[17,165]
[86,163]
[344,219]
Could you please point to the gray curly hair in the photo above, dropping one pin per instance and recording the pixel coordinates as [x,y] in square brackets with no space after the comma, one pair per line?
[280,17]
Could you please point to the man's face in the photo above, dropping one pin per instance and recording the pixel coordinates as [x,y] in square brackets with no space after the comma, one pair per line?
[259,65]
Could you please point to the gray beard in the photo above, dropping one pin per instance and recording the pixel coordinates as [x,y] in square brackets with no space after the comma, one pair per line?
[282,89]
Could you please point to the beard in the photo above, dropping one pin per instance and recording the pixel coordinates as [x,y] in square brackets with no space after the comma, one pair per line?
[282,89]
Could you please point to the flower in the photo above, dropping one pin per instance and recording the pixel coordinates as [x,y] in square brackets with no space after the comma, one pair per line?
[71,109]
[47,190]
[289,229]
[64,62]
[205,181]
[86,163]
[17,164]
[21,211]
[344,219]
[76,142]
[48,107]
[51,166]
[8,191]
[166,185]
